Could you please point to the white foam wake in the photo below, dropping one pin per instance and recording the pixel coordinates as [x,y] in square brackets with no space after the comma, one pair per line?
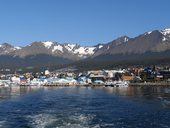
[72,121]
[41,120]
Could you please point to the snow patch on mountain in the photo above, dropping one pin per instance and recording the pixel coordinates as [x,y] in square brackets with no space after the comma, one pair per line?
[100,46]
[48,44]
[164,39]
[165,32]
[70,47]
[17,48]
[149,32]
[57,48]
[126,39]
[90,50]
[85,51]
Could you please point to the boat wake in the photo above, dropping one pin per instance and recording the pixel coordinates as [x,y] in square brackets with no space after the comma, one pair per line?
[61,121]
[41,120]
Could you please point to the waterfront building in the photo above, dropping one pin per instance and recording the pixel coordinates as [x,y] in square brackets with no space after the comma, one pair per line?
[15,79]
[128,76]
[47,72]
[84,80]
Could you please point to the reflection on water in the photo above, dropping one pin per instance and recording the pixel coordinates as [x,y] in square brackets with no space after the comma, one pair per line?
[145,91]
[14,92]
[152,92]
[81,107]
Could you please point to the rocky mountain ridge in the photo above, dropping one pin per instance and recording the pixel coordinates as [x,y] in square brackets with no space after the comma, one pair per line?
[157,41]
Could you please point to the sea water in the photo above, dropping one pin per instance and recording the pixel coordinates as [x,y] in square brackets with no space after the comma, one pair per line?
[84,107]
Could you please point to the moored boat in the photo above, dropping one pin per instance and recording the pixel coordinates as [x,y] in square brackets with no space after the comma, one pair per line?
[117,84]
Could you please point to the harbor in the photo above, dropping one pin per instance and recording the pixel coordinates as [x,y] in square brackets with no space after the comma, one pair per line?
[155,76]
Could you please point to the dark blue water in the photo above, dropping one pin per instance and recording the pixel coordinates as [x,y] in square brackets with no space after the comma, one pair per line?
[132,107]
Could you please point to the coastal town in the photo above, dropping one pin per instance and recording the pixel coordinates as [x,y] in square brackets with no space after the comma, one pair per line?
[116,77]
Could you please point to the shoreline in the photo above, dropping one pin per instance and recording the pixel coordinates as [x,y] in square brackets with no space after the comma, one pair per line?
[102,85]
[149,84]
[95,85]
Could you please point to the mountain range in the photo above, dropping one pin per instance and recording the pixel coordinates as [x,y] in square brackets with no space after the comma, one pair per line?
[153,45]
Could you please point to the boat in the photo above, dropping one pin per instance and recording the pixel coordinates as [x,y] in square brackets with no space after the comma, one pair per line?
[117,84]
[5,83]
[121,84]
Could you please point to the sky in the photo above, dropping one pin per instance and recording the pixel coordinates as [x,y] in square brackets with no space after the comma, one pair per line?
[86,22]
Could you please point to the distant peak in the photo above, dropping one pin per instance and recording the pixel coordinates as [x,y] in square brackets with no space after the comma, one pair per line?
[151,32]
[148,33]
[6,45]
[123,39]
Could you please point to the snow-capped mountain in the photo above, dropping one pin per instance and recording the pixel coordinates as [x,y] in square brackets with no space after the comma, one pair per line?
[69,51]
[6,48]
[157,41]
[153,41]
[81,51]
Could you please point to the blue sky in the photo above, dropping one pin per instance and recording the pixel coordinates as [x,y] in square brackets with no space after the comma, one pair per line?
[86,22]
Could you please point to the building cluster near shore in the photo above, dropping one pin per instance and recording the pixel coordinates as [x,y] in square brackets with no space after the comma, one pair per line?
[92,77]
